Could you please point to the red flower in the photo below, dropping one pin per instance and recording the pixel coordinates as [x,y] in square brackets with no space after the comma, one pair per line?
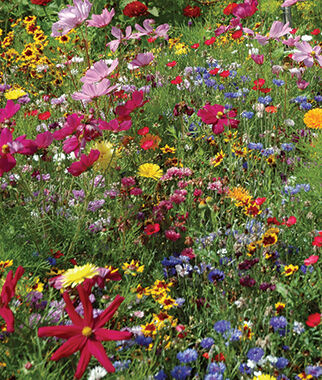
[290,221]
[210,41]
[190,11]
[318,240]
[236,35]
[259,84]
[311,260]
[260,201]
[151,229]
[143,131]
[227,11]
[79,167]
[313,320]
[315,32]
[218,117]
[225,74]
[7,293]
[178,80]
[273,221]
[271,109]
[220,357]
[44,116]
[214,71]
[171,64]
[40,2]
[85,334]
[293,31]
[194,46]
[135,9]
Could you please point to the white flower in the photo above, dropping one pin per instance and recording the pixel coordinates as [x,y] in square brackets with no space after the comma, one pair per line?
[97,373]
[253,51]
[306,38]
[289,122]
[272,359]
[77,59]
[74,71]
[251,364]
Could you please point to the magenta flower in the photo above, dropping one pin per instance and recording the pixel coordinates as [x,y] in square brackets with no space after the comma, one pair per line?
[43,140]
[71,17]
[246,9]
[99,71]
[147,30]
[218,117]
[259,59]
[291,41]
[79,167]
[99,21]
[141,60]
[91,91]
[8,111]
[302,84]
[289,3]
[117,33]
[278,29]
[307,54]
[114,125]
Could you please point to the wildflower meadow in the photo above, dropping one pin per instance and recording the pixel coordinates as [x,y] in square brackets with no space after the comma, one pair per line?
[160,189]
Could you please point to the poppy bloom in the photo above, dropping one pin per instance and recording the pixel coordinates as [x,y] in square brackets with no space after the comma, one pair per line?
[230,7]
[225,74]
[171,64]
[79,167]
[259,83]
[44,116]
[194,46]
[210,41]
[85,334]
[311,260]
[318,240]
[238,34]
[271,109]
[313,320]
[151,229]
[177,80]
[7,293]
[214,71]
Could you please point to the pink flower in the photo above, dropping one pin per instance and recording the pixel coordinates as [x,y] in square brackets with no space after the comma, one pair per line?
[289,3]
[141,60]
[259,59]
[114,125]
[302,84]
[218,117]
[147,30]
[71,17]
[278,29]
[79,167]
[99,71]
[117,33]
[172,235]
[99,21]
[307,54]
[8,111]
[311,260]
[43,140]
[245,10]
[291,41]
[317,240]
[91,91]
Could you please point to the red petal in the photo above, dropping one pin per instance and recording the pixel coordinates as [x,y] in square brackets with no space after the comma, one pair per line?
[75,318]
[97,350]
[108,313]
[7,315]
[87,306]
[84,359]
[73,344]
[64,332]
[104,334]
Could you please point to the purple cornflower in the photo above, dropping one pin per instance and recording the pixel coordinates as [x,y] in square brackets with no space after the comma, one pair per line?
[279,324]
[206,343]
[222,326]
[287,147]
[187,356]
[160,375]
[247,114]
[216,275]
[216,368]
[181,372]
[255,354]
[281,363]
[95,205]
[313,371]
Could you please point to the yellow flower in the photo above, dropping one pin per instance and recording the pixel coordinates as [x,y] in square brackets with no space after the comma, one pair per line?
[240,195]
[264,377]
[218,159]
[313,118]
[14,93]
[150,171]
[290,269]
[269,238]
[75,276]
[168,149]
[107,158]
[5,264]
[279,306]
[133,268]
[167,302]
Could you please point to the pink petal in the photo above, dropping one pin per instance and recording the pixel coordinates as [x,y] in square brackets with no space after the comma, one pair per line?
[108,313]
[84,359]
[64,332]
[97,350]
[7,315]
[87,306]
[104,334]
[72,345]
[75,318]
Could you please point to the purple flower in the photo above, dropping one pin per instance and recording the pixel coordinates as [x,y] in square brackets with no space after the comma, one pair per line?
[99,21]
[255,354]
[160,375]
[181,372]
[206,343]
[216,275]
[95,205]
[279,324]
[187,356]
[313,371]
[281,363]
[222,326]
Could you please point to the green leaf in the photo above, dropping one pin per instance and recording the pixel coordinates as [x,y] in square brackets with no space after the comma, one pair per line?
[154,12]
[282,289]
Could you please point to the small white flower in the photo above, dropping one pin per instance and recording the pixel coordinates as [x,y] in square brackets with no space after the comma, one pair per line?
[251,364]
[289,122]
[306,38]
[77,59]
[74,71]
[97,373]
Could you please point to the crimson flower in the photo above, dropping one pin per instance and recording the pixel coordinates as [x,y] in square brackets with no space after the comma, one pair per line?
[218,117]
[79,167]
[7,293]
[190,11]
[313,320]
[85,334]
[9,110]
[259,83]
[135,9]
[177,80]
[151,229]
[318,240]
[40,2]
[311,260]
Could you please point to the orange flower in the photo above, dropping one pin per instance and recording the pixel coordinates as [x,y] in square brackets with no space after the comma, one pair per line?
[150,142]
[271,109]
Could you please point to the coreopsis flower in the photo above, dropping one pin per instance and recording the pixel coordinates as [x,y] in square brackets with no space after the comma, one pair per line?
[7,293]
[150,171]
[217,160]
[313,118]
[192,12]
[86,161]
[99,21]
[135,9]
[85,334]
[71,17]
[290,269]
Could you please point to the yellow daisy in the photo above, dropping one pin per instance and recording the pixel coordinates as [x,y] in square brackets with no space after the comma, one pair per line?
[150,171]
[75,276]
[313,118]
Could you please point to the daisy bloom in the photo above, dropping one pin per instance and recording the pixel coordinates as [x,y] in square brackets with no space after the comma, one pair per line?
[313,118]
[75,276]
[264,377]
[150,171]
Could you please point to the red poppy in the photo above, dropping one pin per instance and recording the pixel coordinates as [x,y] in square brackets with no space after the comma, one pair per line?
[190,11]
[85,334]
[171,64]
[293,31]
[311,260]
[135,9]
[273,221]
[259,83]
[143,131]
[236,35]
[79,167]
[318,240]
[151,229]
[313,320]
[230,7]
[210,41]
[225,74]
[177,80]
[44,116]
[290,221]
[315,32]
[220,357]
[194,46]
[260,201]
[271,109]
[7,293]
[214,71]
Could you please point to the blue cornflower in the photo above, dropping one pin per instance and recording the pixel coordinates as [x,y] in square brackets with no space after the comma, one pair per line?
[216,368]
[278,323]
[299,99]
[160,375]
[222,326]
[214,376]
[143,341]
[221,87]
[187,356]
[206,75]
[287,147]
[267,152]
[318,98]
[278,82]
[206,343]
[210,82]
[120,366]
[313,371]
[51,260]
[181,372]
[281,363]
[171,261]
[216,275]
[247,114]
[255,354]
[257,146]
[244,369]
[233,335]
[305,106]
[180,301]
[265,100]
[245,78]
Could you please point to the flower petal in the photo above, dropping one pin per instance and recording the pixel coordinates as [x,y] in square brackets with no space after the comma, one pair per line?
[64,332]
[108,313]
[84,359]
[104,334]
[87,306]
[97,350]
[72,345]
[75,318]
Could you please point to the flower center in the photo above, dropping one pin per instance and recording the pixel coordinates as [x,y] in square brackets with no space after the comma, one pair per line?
[313,53]
[87,331]
[219,115]
[5,149]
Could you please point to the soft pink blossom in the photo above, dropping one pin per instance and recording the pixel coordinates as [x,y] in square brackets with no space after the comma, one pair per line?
[147,30]
[120,37]
[289,3]
[302,84]
[142,59]
[99,71]
[306,53]
[99,21]
[91,91]
[278,29]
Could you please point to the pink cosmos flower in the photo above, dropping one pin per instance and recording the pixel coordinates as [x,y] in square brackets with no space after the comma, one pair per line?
[311,260]
[8,111]
[278,29]
[302,84]
[147,30]
[79,167]
[289,3]
[115,126]
[71,17]
[141,60]
[259,59]
[120,37]
[217,116]
[246,9]
[307,54]
[99,71]
[43,140]
[99,21]
[291,41]
[91,91]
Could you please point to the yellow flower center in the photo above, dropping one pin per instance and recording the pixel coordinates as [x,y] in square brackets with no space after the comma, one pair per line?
[5,149]
[87,331]
[313,53]
[219,115]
